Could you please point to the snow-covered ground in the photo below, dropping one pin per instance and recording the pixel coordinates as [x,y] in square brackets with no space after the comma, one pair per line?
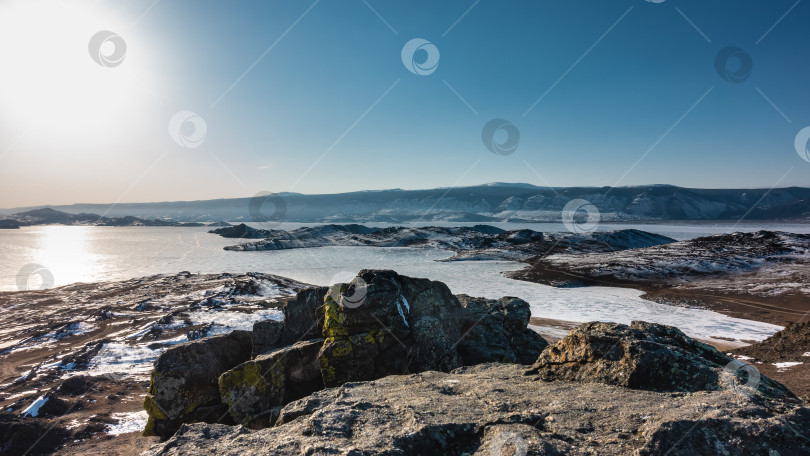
[123,333]
[128,422]
[468,242]
[719,255]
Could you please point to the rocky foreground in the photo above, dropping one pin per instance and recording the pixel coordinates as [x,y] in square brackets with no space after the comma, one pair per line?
[479,242]
[386,364]
[390,370]
[643,389]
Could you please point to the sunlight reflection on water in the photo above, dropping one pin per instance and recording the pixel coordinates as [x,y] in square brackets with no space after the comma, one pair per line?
[89,254]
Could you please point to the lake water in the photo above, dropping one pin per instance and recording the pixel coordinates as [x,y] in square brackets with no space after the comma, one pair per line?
[90,254]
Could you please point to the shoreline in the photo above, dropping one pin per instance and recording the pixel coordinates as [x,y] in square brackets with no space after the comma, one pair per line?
[777,310]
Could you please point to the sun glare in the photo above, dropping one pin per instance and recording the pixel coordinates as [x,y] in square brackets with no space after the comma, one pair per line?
[50,83]
[66,251]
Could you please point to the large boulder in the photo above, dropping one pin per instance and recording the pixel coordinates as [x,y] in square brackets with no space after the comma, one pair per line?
[266,336]
[645,356]
[383,323]
[380,324]
[303,320]
[495,330]
[493,409]
[184,388]
[303,316]
[255,390]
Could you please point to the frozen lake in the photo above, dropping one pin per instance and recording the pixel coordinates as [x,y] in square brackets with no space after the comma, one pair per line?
[90,254]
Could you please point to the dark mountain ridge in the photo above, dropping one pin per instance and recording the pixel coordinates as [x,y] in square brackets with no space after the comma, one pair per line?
[483,203]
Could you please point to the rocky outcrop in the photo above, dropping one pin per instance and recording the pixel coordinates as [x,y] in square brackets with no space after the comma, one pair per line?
[240,231]
[383,324]
[303,319]
[303,316]
[6,224]
[468,242]
[493,409]
[266,336]
[184,388]
[255,390]
[495,330]
[644,356]
[791,343]
[380,324]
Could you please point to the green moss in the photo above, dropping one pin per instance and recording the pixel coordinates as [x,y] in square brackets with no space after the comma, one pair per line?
[153,383]
[246,375]
[276,374]
[341,348]
[149,430]
[151,407]
[374,337]
[190,408]
[154,412]
[327,371]
[334,321]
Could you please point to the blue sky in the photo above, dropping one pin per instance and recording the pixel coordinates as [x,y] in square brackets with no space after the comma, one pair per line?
[630,96]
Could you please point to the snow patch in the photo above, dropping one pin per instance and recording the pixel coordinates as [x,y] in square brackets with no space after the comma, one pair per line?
[223,321]
[400,302]
[128,422]
[787,364]
[122,359]
[33,409]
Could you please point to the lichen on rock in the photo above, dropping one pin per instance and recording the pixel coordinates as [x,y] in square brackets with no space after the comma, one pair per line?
[399,325]
[254,390]
[183,386]
[642,355]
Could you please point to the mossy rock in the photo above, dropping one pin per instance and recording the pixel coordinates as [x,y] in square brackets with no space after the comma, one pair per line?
[183,386]
[254,390]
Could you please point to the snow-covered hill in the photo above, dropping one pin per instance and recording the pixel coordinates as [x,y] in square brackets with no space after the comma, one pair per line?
[483,203]
[480,242]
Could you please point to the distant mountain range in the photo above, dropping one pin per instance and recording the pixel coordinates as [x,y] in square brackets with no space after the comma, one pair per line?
[483,203]
[49,216]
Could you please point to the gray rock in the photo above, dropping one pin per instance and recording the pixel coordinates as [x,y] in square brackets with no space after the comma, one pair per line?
[642,355]
[184,387]
[493,409]
[255,390]
[396,325]
[266,336]
[495,330]
[303,316]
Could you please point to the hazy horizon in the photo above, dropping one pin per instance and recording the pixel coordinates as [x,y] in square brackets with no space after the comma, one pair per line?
[180,100]
[516,184]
